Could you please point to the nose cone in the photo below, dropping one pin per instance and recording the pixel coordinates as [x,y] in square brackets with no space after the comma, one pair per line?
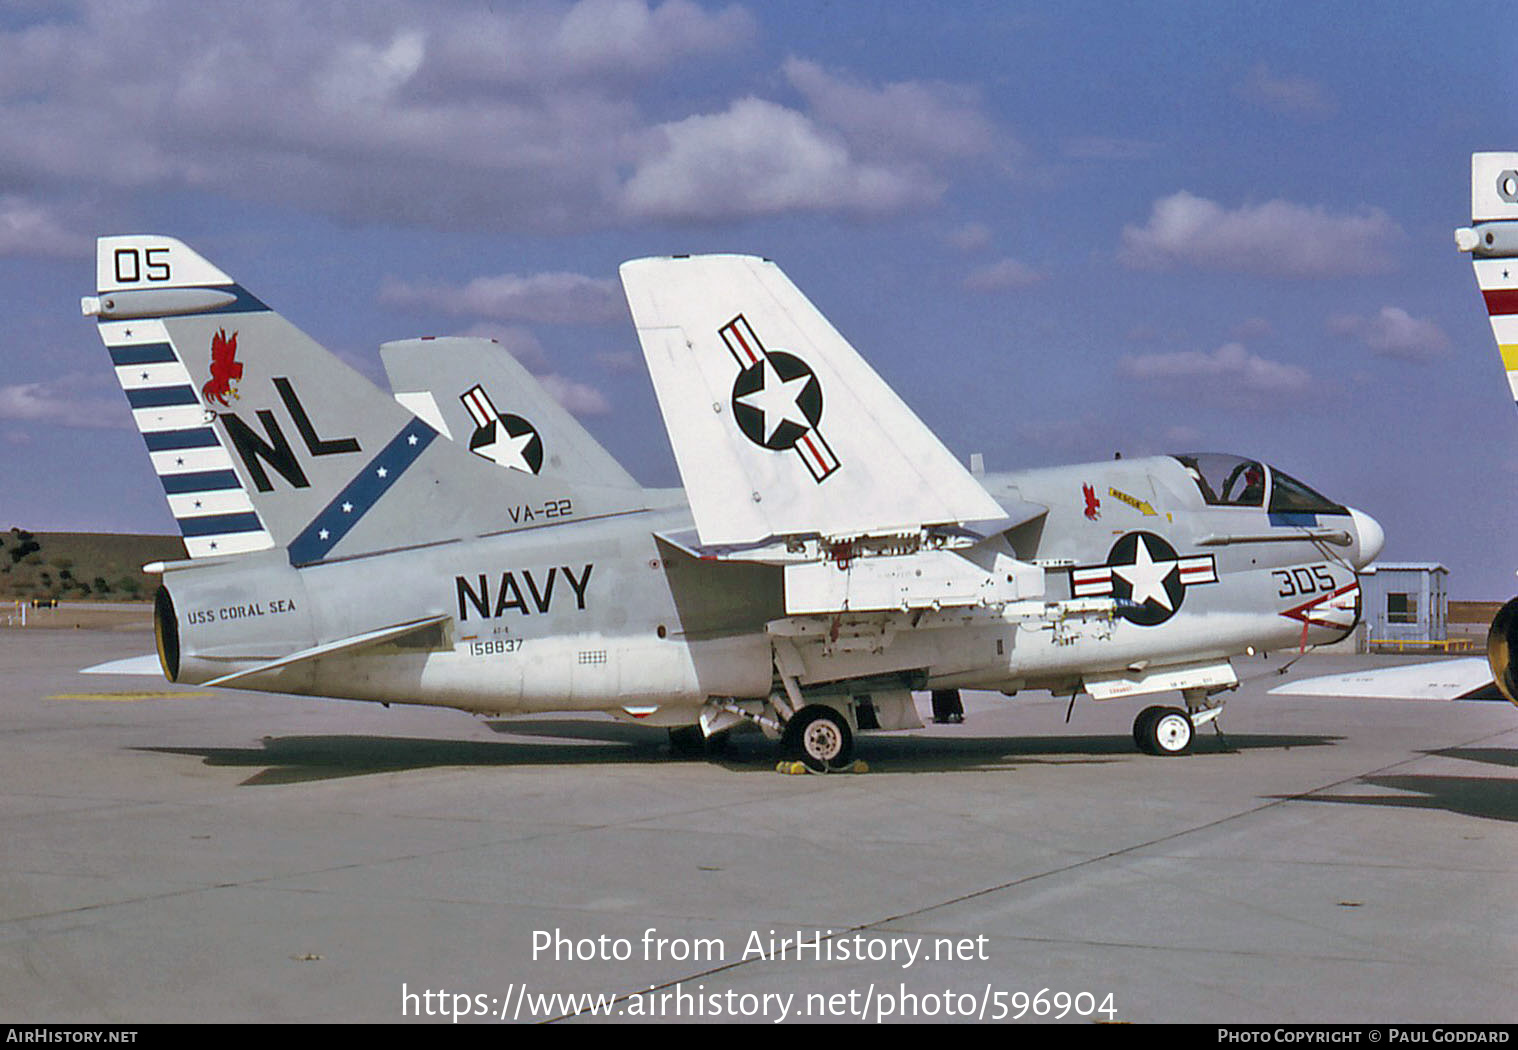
[1369,537]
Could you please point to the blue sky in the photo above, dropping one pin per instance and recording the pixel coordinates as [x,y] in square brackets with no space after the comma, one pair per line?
[1058,230]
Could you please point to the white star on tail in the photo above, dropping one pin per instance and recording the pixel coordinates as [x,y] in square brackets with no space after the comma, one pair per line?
[776,398]
[508,451]
[1147,576]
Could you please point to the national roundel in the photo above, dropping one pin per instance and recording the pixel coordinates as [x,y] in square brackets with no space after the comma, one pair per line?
[776,400]
[1146,578]
[510,441]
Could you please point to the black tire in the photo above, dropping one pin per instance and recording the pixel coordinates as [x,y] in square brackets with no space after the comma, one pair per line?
[1141,726]
[948,709]
[819,736]
[1170,733]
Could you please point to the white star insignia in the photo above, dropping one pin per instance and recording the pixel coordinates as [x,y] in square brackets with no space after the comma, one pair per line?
[382,472]
[323,534]
[1147,576]
[347,508]
[508,451]
[411,440]
[777,400]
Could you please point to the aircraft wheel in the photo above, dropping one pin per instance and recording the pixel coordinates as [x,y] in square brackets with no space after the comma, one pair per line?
[820,737]
[1142,724]
[1170,733]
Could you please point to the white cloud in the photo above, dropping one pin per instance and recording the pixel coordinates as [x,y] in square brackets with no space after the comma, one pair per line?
[579,398]
[1277,237]
[365,74]
[547,298]
[1229,369]
[970,238]
[902,121]
[628,35]
[71,401]
[31,229]
[760,158]
[397,110]
[1292,96]
[1002,276]
[1393,332]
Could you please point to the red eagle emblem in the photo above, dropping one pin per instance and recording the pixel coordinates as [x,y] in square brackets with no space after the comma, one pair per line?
[1093,505]
[225,368]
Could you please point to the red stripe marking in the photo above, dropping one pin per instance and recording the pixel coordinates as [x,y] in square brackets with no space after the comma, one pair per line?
[738,335]
[1501,301]
[816,456]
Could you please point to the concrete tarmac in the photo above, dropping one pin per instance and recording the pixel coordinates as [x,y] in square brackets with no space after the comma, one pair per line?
[172,854]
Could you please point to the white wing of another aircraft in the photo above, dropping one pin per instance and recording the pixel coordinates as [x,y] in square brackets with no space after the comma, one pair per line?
[779,427]
[1455,679]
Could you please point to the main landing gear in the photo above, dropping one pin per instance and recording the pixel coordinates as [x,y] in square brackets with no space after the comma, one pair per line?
[819,736]
[1160,730]
[1165,731]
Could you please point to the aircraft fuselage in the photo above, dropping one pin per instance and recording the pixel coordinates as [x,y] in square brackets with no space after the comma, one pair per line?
[601,614]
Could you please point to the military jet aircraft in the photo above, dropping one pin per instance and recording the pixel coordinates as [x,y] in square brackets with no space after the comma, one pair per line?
[1492,240]
[828,556]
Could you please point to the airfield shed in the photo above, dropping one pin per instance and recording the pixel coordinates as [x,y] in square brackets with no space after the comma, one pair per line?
[1406,601]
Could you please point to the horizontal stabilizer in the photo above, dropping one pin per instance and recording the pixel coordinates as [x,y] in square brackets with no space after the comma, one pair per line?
[132,665]
[342,645]
[779,427]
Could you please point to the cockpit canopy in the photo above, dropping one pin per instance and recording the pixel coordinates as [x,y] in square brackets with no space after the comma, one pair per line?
[1233,481]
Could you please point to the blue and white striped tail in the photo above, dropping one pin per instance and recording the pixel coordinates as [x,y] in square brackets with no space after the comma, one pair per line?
[207,499]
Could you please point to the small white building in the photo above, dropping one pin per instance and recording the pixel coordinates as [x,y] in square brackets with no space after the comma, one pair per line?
[1405,601]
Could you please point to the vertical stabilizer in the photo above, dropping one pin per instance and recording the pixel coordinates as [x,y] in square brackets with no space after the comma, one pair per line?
[779,427]
[475,392]
[262,438]
[1492,240]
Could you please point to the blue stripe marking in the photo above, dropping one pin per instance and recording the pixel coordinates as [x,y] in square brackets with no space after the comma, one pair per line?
[361,494]
[217,524]
[168,440]
[199,481]
[1294,518]
[162,396]
[142,354]
[246,303]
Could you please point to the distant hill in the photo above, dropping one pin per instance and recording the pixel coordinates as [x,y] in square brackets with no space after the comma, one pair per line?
[77,566]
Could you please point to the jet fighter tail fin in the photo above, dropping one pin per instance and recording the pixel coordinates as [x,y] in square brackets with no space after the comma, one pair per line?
[779,427]
[1492,240]
[475,392]
[262,439]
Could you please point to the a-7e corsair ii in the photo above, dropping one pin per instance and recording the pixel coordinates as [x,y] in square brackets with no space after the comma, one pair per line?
[827,557]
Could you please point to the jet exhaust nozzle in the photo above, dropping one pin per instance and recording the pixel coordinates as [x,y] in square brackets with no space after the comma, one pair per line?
[166,633]
[1502,648]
